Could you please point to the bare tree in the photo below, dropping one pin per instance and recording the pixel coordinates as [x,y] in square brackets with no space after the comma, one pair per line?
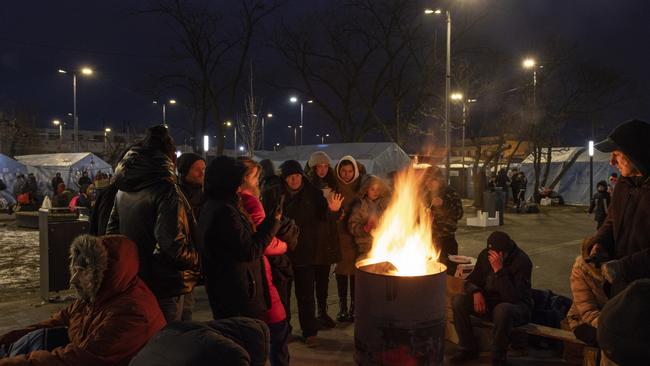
[17,123]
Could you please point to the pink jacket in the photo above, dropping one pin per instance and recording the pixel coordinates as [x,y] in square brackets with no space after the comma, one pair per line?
[254,207]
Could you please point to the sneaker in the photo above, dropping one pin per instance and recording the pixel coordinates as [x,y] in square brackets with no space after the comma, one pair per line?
[463,357]
[311,341]
[325,322]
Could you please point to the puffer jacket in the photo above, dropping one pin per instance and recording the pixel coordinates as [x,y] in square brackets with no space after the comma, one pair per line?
[113,328]
[350,192]
[361,214]
[625,235]
[151,209]
[589,298]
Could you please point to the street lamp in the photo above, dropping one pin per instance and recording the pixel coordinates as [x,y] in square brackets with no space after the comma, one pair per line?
[56,122]
[269,116]
[296,100]
[107,130]
[84,71]
[164,110]
[591,169]
[531,64]
[276,146]
[458,97]
[447,84]
[230,124]
[322,137]
[295,133]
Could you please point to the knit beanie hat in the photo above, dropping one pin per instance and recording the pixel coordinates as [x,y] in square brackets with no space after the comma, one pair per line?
[185,161]
[500,242]
[223,176]
[624,325]
[290,167]
[319,157]
[631,138]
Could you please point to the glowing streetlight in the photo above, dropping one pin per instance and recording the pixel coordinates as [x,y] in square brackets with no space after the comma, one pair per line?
[164,110]
[206,143]
[456,96]
[87,71]
[107,130]
[322,137]
[58,123]
[529,63]
[84,71]
[293,99]
[231,124]
[296,100]
[269,116]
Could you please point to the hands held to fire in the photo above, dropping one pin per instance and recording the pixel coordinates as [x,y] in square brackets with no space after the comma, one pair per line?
[480,307]
[496,260]
[334,202]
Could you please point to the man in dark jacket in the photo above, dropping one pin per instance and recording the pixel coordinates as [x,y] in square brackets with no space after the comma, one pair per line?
[84,179]
[232,251]
[55,181]
[151,210]
[498,289]
[306,205]
[624,238]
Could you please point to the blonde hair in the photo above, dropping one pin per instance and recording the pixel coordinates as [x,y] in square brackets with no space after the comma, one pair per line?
[371,180]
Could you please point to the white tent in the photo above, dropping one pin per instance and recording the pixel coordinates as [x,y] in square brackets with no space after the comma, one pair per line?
[574,185]
[70,165]
[379,158]
[9,168]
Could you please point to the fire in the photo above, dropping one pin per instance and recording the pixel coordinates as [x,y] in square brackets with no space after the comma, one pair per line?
[403,237]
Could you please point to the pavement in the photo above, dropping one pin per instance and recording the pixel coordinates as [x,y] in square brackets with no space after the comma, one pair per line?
[551,238]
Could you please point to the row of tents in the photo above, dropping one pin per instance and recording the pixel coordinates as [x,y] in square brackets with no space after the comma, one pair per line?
[45,167]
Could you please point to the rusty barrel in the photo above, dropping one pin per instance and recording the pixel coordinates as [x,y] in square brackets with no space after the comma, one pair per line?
[399,320]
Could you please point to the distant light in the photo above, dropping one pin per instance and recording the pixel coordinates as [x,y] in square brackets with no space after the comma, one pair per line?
[61,71]
[529,63]
[178,153]
[107,129]
[56,122]
[438,11]
[293,100]
[277,144]
[87,71]
[155,102]
[456,96]
[290,126]
[206,143]
[310,101]
[428,11]
[270,115]
[69,114]
[591,148]
[172,101]
[241,148]
[327,135]
[472,100]
[228,123]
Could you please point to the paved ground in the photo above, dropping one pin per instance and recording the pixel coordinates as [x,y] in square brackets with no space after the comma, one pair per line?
[551,238]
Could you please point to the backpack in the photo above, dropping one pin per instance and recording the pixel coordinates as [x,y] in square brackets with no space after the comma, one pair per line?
[549,310]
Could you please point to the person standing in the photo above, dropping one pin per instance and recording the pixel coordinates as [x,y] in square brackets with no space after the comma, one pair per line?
[624,237]
[306,205]
[84,179]
[55,181]
[600,203]
[150,209]
[366,212]
[446,209]
[321,176]
[348,182]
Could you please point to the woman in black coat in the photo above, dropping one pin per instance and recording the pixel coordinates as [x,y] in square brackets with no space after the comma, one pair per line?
[231,250]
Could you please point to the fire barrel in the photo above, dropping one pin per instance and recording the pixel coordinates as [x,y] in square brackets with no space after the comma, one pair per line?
[399,320]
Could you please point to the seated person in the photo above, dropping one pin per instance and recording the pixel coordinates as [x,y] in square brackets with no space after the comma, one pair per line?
[62,196]
[499,290]
[115,316]
[589,298]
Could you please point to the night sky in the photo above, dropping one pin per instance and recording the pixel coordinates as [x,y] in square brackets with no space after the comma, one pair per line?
[126,48]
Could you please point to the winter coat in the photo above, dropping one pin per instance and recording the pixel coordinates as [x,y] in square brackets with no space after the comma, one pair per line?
[232,254]
[511,284]
[20,186]
[253,206]
[350,192]
[55,183]
[151,210]
[309,210]
[445,217]
[112,329]
[588,294]
[625,235]
[194,195]
[361,214]
[236,341]
[326,184]
[102,212]
[600,202]
[84,181]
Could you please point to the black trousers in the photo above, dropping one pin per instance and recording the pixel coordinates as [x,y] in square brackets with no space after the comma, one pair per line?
[505,316]
[322,281]
[305,278]
[279,355]
[448,246]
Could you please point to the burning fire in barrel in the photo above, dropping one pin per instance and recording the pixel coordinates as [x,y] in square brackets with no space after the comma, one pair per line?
[400,285]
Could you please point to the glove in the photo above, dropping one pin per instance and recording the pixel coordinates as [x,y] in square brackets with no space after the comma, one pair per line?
[611,270]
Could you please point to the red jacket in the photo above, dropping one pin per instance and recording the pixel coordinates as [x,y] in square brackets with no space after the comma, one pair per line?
[255,210]
[109,331]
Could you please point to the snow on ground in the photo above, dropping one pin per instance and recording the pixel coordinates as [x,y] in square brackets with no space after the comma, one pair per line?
[19,259]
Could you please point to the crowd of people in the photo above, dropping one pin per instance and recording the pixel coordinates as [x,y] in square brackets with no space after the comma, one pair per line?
[250,234]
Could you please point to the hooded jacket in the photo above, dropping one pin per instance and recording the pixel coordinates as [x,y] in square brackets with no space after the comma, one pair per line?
[365,211]
[589,298]
[625,235]
[109,330]
[152,211]
[350,192]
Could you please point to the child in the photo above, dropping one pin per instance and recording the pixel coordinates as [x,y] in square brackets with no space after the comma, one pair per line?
[600,202]
[366,213]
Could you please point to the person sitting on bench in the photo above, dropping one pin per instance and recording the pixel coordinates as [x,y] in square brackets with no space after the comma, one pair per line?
[114,317]
[498,290]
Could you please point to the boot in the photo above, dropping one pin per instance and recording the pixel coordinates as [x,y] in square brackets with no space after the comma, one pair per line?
[342,316]
[351,313]
[324,320]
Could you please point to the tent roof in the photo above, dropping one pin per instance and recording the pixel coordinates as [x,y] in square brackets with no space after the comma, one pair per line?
[9,163]
[60,159]
[565,154]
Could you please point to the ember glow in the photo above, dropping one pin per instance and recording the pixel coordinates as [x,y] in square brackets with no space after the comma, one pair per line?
[403,237]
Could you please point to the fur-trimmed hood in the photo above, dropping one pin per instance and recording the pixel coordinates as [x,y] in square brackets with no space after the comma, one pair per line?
[588,269]
[113,259]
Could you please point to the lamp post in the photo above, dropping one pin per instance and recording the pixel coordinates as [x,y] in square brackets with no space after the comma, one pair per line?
[591,169]
[276,146]
[322,137]
[458,97]
[206,145]
[164,110]
[56,122]
[269,116]
[107,130]
[447,84]
[84,71]
[296,100]
[234,146]
[295,134]
[530,63]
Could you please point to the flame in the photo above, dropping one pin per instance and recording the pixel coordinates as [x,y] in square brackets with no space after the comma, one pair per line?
[403,236]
